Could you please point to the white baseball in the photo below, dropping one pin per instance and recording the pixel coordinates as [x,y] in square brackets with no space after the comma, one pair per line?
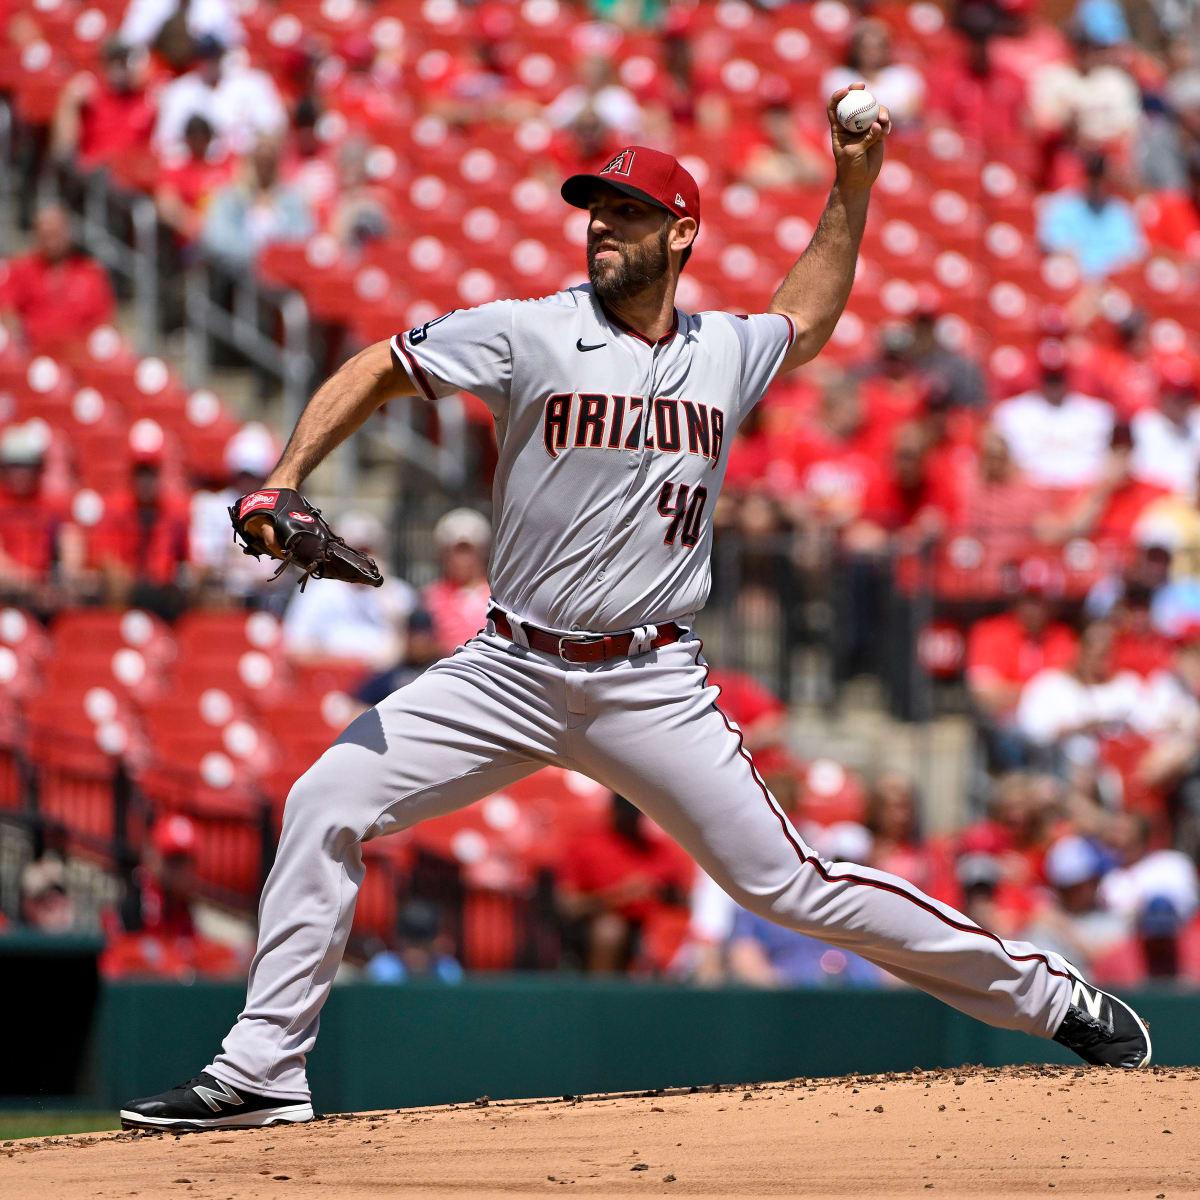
[857,110]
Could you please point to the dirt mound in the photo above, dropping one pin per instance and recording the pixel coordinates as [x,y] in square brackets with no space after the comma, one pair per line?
[1013,1132]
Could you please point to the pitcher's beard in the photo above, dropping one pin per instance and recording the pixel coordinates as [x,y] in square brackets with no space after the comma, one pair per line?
[637,268]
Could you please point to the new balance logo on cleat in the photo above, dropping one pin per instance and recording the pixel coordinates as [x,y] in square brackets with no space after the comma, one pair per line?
[1103,1029]
[1085,998]
[214,1098]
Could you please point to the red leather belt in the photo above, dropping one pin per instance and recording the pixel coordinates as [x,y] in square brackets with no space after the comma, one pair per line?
[585,648]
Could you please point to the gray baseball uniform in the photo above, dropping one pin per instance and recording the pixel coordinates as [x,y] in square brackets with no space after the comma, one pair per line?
[612,452]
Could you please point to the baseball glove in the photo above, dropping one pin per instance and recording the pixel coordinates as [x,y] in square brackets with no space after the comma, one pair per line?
[304,537]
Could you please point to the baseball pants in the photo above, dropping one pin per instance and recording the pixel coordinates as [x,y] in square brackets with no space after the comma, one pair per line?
[647,727]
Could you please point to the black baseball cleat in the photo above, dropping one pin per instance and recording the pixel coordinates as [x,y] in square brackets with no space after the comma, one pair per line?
[207,1103]
[1103,1030]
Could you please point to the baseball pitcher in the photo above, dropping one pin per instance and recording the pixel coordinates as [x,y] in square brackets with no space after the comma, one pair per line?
[614,414]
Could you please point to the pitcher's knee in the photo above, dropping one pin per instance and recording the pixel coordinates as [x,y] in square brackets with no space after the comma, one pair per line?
[320,804]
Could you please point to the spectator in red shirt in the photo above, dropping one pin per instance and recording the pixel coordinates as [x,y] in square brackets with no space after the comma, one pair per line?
[778,155]
[1137,645]
[893,390]
[615,881]
[1171,220]
[141,542]
[102,117]
[1110,508]
[56,295]
[188,180]
[1000,507]
[1003,653]
[458,600]
[154,931]
[36,539]
[1022,821]
[984,102]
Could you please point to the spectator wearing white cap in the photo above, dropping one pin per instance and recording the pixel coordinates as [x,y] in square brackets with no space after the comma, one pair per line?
[332,619]
[458,600]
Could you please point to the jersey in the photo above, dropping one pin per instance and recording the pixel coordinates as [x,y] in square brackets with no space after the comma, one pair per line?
[612,448]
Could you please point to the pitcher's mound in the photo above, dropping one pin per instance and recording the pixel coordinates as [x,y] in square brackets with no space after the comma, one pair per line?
[1022,1131]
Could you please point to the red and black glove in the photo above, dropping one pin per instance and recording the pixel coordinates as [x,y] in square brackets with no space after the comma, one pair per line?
[303,536]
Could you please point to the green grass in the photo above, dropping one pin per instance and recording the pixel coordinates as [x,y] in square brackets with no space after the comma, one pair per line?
[52,1122]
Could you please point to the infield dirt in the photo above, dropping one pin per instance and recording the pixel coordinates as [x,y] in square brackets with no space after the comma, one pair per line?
[1020,1131]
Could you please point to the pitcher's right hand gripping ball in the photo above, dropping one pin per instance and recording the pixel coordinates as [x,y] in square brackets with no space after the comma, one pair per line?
[303,538]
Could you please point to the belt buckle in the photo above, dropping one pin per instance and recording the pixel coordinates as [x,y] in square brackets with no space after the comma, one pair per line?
[574,641]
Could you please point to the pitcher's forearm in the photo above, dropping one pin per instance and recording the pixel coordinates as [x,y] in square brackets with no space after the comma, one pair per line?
[816,289]
[339,407]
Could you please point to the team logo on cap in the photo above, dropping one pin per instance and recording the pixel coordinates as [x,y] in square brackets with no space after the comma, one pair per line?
[621,165]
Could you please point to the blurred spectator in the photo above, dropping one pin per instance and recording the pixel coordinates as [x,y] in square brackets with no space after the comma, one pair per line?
[255,211]
[1110,508]
[420,653]
[599,95]
[898,845]
[908,500]
[101,117]
[1166,439]
[189,178]
[240,103]
[150,23]
[615,881]
[1057,438]
[982,100]
[1064,712]
[778,155]
[1026,40]
[361,211]
[1118,363]
[1003,653]
[1147,573]
[1078,925]
[1090,100]
[1097,228]
[36,537]
[1023,817]
[141,542]
[46,905]
[1138,646]
[56,295]
[332,619]
[420,949]
[458,599]
[897,86]
[833,473]
[1171,219]
[1167,142]
[154,931]
[893,389]
[952,374]
[1001,508]
[1143,874]
[989,898]
[162,888]
[764,954]
[221,570]
[307,163]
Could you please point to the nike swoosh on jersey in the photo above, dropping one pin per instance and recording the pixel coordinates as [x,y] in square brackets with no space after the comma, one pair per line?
[580,346]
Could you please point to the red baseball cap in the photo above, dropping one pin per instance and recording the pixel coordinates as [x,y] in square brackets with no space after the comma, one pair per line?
[647,174]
